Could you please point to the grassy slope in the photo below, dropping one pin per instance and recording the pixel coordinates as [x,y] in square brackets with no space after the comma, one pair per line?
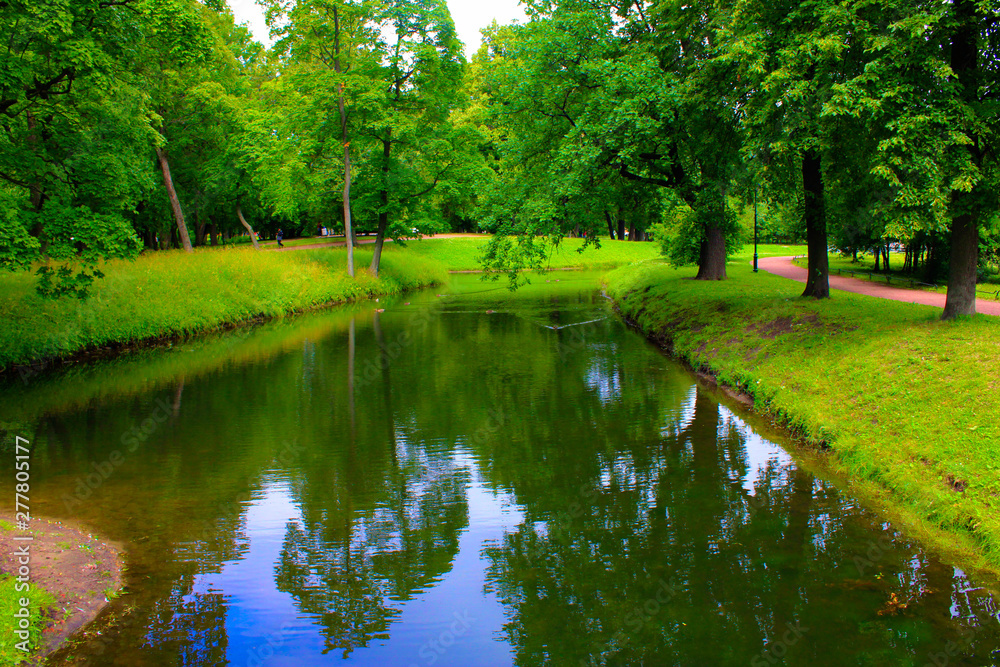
[174,293]
[907,403]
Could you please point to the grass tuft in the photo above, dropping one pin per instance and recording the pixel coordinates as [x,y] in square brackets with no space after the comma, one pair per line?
[40,602]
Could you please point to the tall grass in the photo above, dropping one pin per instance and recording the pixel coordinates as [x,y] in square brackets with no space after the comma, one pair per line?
[175,294]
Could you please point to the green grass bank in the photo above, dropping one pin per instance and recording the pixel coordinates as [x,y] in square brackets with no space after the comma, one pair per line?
[11,645]
[909,406]
[174,294]
[165,295]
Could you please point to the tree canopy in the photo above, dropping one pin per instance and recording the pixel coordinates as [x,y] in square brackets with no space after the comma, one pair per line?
[138,125]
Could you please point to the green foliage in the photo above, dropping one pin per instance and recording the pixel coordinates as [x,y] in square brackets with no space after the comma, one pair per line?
[681,233]
[77,134]
[595,112]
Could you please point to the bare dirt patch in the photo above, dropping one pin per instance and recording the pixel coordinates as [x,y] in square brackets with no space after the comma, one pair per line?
[82,571]
[774,328]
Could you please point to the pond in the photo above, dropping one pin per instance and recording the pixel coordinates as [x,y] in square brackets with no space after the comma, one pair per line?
[466,476]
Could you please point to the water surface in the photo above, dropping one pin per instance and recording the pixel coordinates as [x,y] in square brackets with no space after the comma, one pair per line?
[470,477]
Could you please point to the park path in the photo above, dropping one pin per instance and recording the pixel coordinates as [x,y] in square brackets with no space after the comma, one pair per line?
[782,266]
[273,245]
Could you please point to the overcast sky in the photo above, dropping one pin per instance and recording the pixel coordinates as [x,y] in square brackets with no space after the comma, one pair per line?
[470,17]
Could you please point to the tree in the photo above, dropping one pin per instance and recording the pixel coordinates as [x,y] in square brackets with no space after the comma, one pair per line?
[932,85]
[599,104]
[75,135]
[789,56]
[421,76]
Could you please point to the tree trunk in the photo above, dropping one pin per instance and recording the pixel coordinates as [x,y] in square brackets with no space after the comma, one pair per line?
[712,262]
[818,281]
[214,231]
[621,228]
[631,231]
[885,257]
[961,298]
[36,193]
[611,226]
[383,214]
[878,259]
[199,230]
[348,231]
[175,203]
[243,221]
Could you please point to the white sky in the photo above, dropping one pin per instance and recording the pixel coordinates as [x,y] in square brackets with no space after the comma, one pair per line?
[470,17]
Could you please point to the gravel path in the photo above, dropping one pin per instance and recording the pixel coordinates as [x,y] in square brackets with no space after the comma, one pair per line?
[782,266]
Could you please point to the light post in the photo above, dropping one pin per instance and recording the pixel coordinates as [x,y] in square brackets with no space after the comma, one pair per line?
[755,228]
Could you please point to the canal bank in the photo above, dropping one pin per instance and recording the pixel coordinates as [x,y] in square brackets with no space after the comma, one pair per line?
[905,404]
[366,486]
[166,297]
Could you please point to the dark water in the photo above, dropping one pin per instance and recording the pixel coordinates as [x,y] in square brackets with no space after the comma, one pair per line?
[469,479]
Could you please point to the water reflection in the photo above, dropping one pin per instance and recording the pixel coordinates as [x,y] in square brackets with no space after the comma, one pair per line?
[476,479]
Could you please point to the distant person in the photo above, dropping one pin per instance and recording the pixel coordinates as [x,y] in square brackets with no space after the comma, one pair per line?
[281,235]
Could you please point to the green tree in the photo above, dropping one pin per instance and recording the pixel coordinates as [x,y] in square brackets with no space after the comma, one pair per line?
[932,85]
[594,100]
[789,57]
[75,135]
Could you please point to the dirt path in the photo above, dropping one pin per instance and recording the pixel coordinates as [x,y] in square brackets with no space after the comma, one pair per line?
[272,245]
[80,570]
[782,266]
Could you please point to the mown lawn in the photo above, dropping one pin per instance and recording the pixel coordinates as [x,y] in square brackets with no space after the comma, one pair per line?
[462,254]
[908,404]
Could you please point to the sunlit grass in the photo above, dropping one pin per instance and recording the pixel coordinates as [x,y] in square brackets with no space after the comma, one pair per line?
[175,293]
[462,254]
[907,402]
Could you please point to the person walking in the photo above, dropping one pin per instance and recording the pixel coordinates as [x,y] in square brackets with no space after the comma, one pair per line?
[280,236]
